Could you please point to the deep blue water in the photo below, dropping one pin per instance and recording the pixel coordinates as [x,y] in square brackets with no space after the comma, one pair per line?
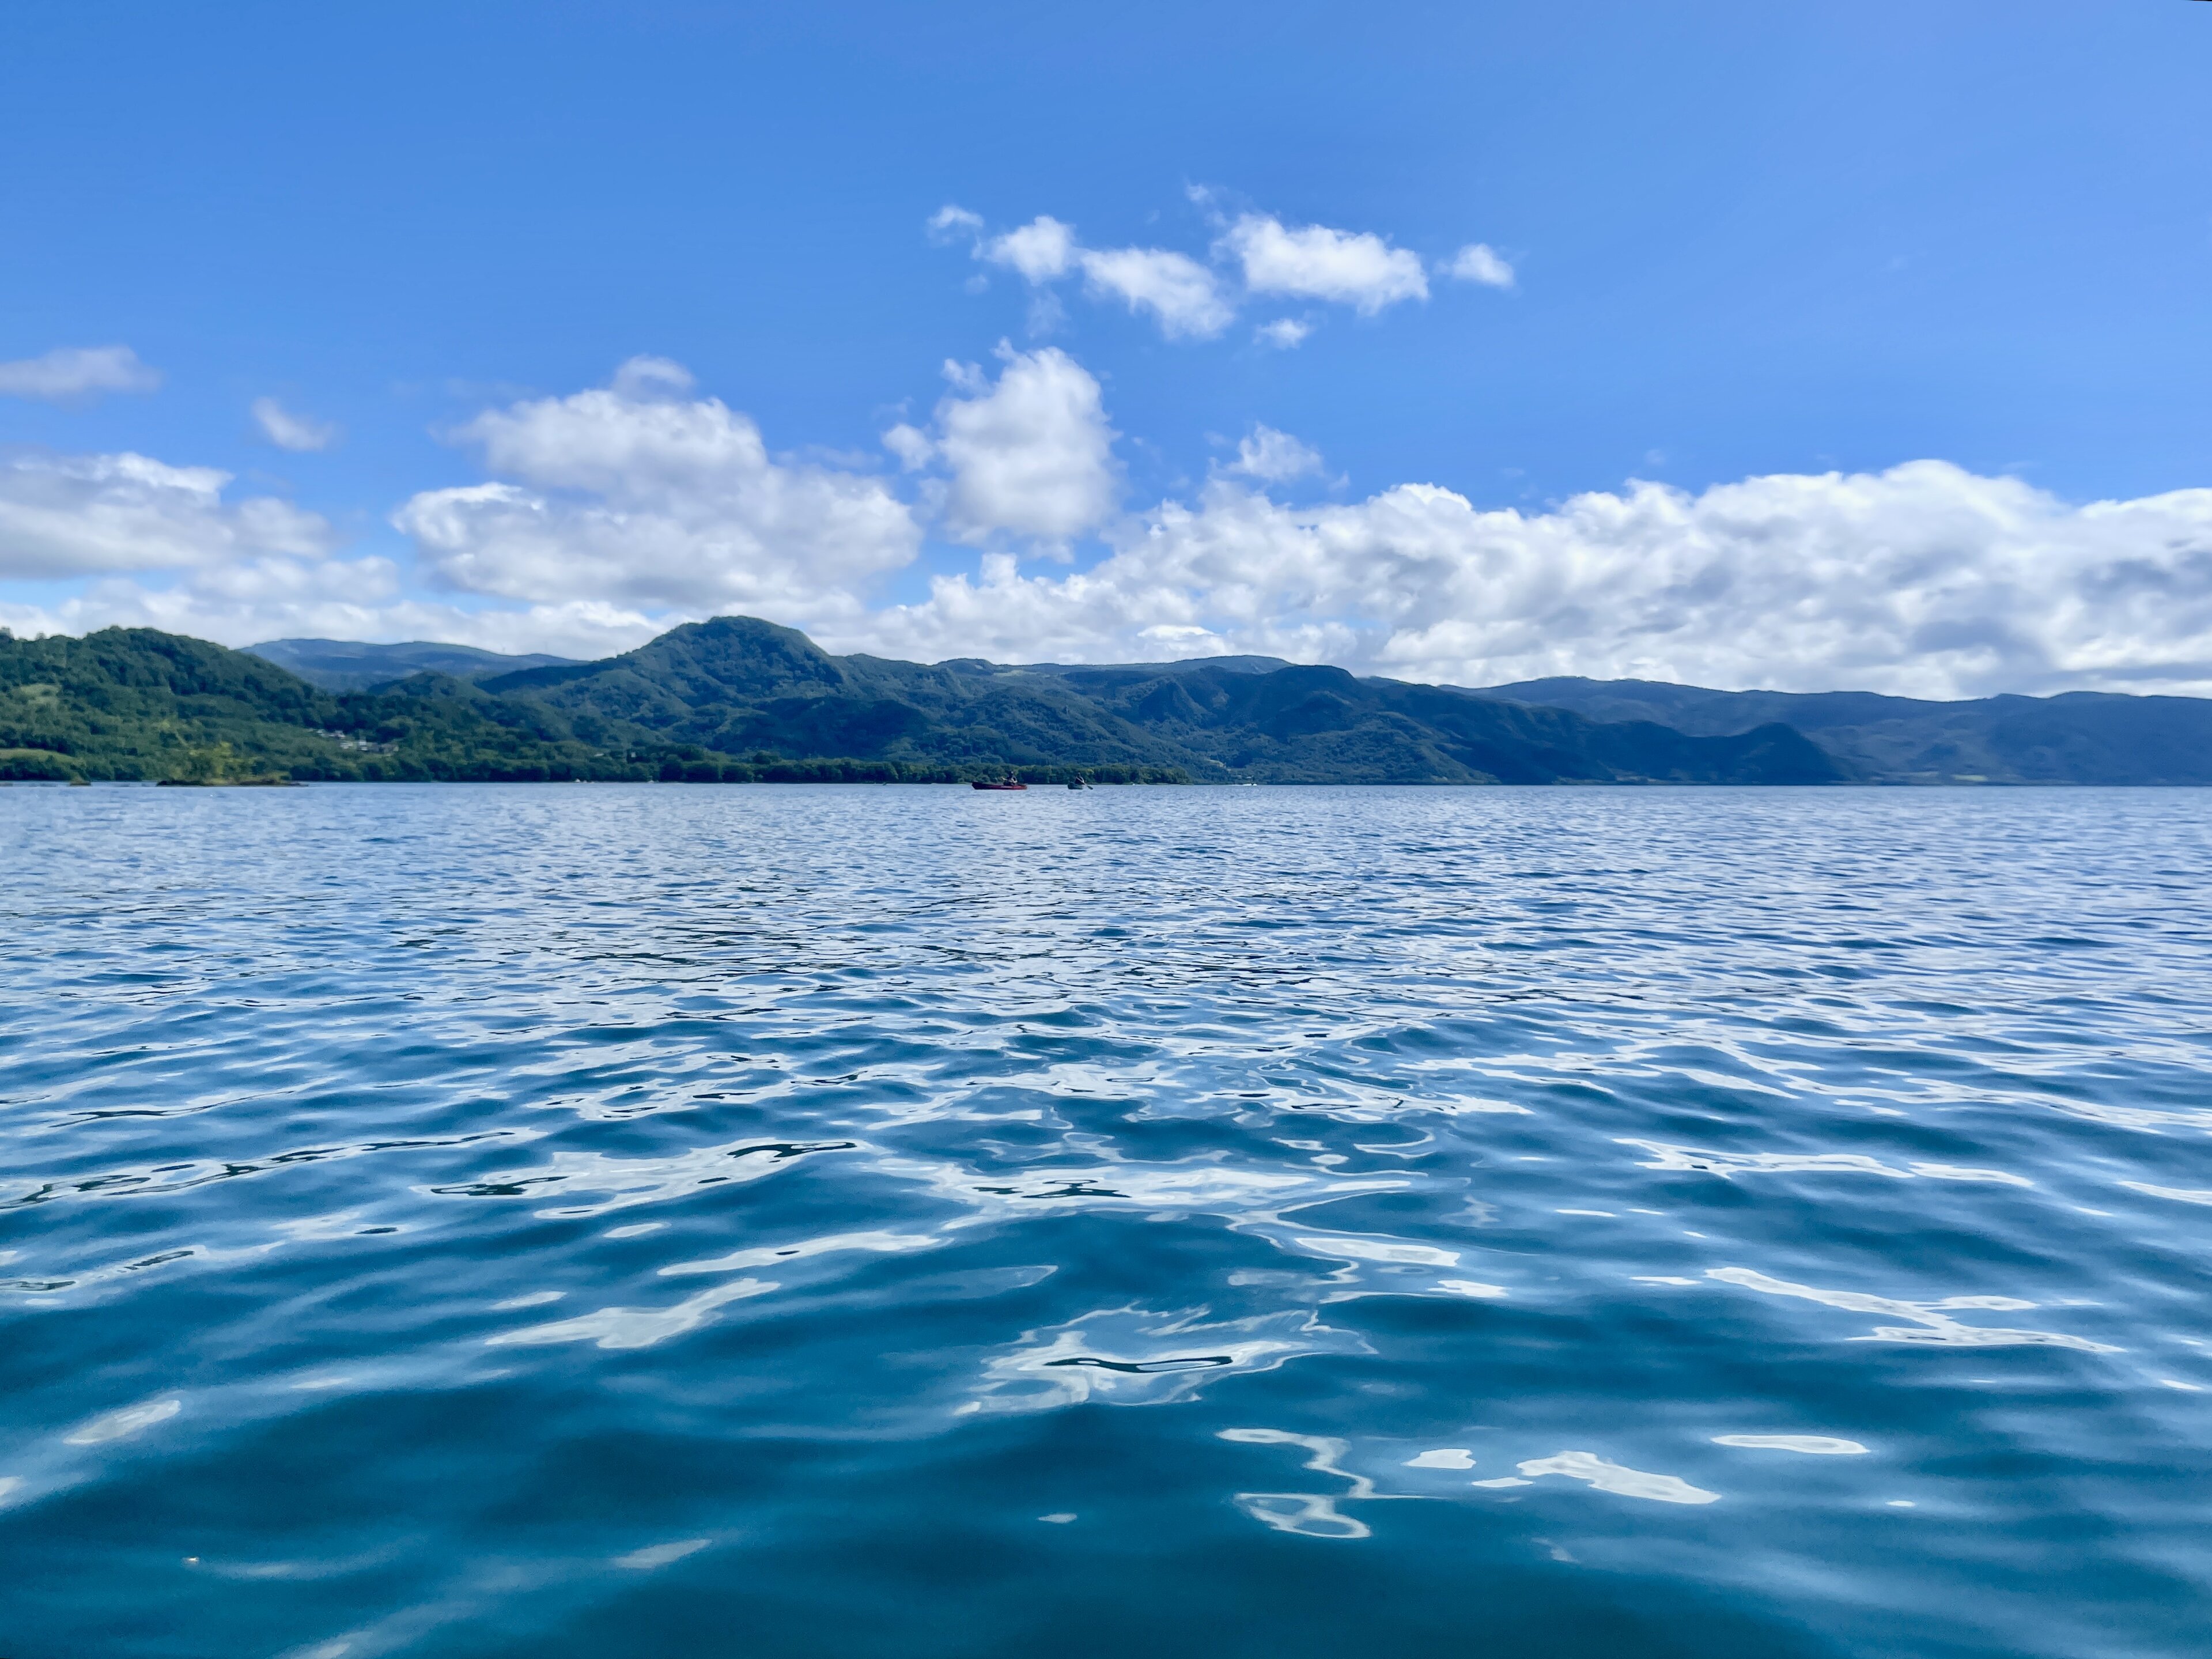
[551,1221]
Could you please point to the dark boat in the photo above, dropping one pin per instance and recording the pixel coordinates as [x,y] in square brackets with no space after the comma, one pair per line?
[1010,783]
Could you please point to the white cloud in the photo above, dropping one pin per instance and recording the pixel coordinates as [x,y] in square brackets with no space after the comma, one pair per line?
[165,550]
[1182,293]
[644,379]
[1924,581]
[1478,262]
[69,374]
[1359,268]
[290,431]
[1272,457]
[1191,301]
[949,222]
[336,598]
[639,496]
[1042,251]
[70,515]
[1031,456]
[610,515]
[911,445]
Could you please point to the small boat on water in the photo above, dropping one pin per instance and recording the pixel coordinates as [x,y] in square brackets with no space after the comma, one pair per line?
[1010,782]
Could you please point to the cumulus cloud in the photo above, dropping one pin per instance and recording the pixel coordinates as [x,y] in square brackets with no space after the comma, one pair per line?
[331,599]
[1029,456]
[609,514]
[73,515]
[1042,250]
[1478,262]
[1182,294]
[1272,457]
[1924,581]
[290,431]
[640,495]
[911,445]
[1359,268]
[1189,298]
[74,373]
[164,549]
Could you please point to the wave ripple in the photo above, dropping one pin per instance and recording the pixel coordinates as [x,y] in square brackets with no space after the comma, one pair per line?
[798,1221]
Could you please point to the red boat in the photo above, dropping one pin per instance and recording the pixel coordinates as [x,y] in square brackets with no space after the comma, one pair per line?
[1010,783]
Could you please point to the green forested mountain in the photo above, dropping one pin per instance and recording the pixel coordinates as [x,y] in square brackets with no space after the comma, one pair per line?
[736,685]
[1308,725]
[136,703]
[2076,736]
[739,700]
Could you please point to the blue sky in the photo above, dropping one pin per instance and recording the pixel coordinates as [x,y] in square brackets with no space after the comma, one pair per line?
[1746,242]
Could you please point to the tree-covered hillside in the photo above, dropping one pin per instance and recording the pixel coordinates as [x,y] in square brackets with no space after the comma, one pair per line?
[738,700]
[735,686]
[737,683]
[1301,725]
[2076,736]
[136,704]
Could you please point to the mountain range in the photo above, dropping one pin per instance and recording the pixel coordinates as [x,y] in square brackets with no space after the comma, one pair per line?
[351,666]
[737,699]
[2076,737]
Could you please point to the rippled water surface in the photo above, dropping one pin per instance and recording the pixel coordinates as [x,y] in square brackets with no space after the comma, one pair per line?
[778,1221]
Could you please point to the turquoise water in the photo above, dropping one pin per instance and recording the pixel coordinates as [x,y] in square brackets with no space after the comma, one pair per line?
[779,1221]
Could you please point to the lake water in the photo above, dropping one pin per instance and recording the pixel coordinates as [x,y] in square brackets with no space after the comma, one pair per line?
[607,1221]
